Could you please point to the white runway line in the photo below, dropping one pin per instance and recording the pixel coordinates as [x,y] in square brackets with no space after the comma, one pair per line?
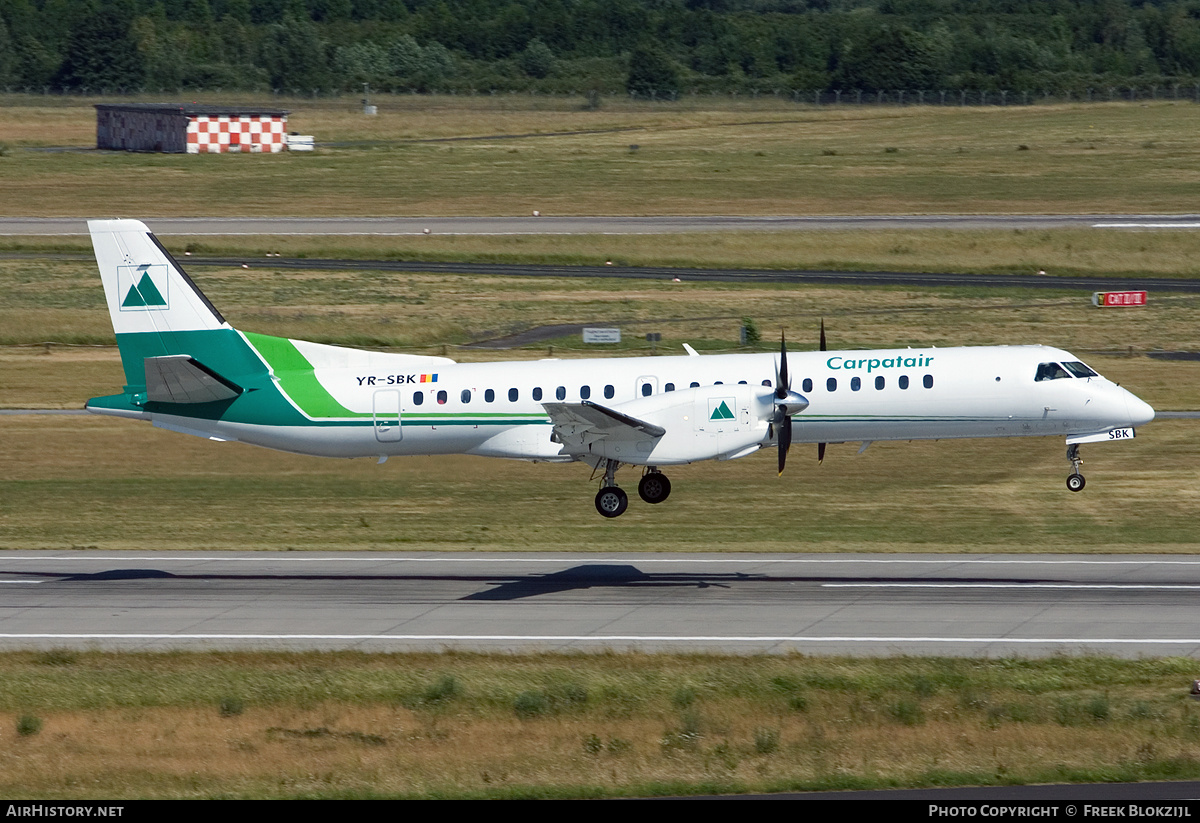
[1146,225]
[614,638]
[898,585]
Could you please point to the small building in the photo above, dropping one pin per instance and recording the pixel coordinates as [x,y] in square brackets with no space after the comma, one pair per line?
[191,129]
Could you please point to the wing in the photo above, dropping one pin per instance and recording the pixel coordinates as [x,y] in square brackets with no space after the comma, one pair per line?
[578,426]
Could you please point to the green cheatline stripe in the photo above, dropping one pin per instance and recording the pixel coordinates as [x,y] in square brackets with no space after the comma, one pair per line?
[489,417]
[409,422]
[296,377]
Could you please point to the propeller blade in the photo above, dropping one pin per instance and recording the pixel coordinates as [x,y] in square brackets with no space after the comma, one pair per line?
[820,453]
[785,441]
[782,382]
[823,346]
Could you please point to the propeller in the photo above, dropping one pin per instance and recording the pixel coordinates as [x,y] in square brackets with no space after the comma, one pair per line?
[787,403]
[783,385]
[821,446]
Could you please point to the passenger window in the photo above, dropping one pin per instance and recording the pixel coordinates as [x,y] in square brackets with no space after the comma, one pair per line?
[855,383]
[441,397]
[537,393]
[767,383]
[879,382]
[719,383]
[609,391]
[1050,371]
[669,387]
[585,392]
[741,382]
[465,396]
[647,389]
[418,398]
[513,394]
[806,385]
[831,384]
[928,381]
[489,396]
[694,385]
[904,381]
[561,392]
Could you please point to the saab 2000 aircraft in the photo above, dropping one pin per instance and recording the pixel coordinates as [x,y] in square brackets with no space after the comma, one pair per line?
[189,371]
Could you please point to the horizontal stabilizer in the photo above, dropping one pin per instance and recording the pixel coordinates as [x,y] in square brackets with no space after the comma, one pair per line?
[178,378]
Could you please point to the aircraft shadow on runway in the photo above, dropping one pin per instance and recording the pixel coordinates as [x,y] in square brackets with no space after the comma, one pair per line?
[522,586]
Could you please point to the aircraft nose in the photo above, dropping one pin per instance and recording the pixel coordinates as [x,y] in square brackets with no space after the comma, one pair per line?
[1140,412]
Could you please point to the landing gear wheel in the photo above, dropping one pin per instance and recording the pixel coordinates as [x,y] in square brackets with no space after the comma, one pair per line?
[611,501]
[1076,482]
[654,487]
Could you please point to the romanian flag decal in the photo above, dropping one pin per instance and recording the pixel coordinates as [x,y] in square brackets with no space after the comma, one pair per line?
[429,378]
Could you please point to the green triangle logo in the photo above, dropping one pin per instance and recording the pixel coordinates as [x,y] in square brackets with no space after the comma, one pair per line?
[143,295]
[721,412]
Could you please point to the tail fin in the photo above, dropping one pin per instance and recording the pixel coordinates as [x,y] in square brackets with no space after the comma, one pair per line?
[175,346]
[147,290]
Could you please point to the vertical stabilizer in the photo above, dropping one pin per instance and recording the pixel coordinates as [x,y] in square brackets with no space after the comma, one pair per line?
[158,315]
[147,291]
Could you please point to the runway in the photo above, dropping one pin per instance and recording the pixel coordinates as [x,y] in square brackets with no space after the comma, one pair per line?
[549,224]
[959,605]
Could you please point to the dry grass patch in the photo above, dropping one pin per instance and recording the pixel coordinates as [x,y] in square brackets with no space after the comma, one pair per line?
[336,725]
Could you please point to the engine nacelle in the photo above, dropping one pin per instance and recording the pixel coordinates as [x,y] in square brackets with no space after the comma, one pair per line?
[706,423]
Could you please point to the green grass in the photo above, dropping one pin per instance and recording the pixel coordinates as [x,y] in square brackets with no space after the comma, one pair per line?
[126,480]
[348,724]
[1059,252]
[766,157]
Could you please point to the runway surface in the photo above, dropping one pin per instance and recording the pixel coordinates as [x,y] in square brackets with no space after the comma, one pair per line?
[963,605]
[229,226]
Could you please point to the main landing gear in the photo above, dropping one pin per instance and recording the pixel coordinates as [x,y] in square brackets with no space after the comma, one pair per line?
[612,501]
[1075,481]
[654,487]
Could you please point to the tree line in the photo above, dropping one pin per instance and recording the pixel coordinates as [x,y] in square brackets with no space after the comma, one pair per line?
[650,47]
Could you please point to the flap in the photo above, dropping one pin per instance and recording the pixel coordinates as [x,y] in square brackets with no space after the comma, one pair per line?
[578,425]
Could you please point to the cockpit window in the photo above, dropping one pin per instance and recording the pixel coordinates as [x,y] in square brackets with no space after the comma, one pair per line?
[1050,371]
[1079,370]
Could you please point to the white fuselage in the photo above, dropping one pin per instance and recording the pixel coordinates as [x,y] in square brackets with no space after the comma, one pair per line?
[495,409]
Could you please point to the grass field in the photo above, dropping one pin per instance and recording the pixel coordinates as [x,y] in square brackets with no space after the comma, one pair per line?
[133,487]
[436,726]
[743,157]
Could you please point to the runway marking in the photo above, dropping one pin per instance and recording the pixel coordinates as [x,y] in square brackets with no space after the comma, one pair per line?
[29,582]
[611,638]
[1146,225]
[898,585]
[291,558]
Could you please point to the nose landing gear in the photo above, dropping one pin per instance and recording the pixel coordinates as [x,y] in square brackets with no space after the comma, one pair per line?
[1075,481]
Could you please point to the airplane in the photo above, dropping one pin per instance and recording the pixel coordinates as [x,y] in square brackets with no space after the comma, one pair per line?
[187,370]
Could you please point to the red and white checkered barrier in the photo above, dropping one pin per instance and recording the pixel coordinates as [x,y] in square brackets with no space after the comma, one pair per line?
[253,133]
